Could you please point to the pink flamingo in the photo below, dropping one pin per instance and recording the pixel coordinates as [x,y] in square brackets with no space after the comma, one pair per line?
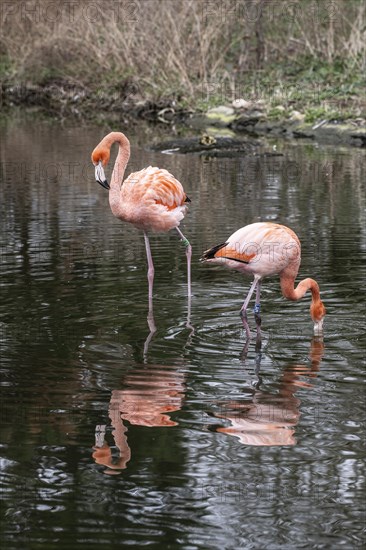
[151,199]
[263,249]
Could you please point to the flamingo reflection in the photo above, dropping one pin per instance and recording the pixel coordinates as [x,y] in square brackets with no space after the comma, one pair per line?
[270,419]
[150,394]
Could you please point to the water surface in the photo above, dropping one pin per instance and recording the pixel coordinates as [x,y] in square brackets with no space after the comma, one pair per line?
[186,440]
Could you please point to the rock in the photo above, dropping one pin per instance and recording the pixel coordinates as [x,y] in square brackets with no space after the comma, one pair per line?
[242,104]
[220,132]
[222,110]
[246,120]
[221,116]
[343,133]
[280,108]
[297,116]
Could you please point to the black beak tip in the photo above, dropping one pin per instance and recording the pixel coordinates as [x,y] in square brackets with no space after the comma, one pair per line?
[104,183]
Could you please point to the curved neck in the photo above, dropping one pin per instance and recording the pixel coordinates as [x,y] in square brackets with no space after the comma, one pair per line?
[119,167]
[317,309]
[122,157]
[292,293]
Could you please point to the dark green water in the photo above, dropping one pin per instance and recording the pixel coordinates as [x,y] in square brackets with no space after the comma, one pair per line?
[188,444]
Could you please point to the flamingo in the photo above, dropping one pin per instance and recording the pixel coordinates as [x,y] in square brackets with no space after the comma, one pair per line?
[151,199]
[263,249]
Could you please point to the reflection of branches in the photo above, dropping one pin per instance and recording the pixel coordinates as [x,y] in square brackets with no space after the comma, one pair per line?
[270,419]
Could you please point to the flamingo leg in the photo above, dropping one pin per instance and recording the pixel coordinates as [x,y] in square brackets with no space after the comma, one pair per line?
[150,278]
[257,315]
[243,311]
[257,309]
[152,328]
[150,271]
[186,243]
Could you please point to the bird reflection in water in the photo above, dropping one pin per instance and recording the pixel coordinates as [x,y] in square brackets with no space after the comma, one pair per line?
[151,393]
[270,419]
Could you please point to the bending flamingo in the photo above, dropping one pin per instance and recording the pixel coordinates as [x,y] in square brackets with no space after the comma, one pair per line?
[264,249]
[151,199]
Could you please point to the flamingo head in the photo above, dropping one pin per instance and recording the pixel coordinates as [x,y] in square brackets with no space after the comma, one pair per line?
[317,312]
[100,157]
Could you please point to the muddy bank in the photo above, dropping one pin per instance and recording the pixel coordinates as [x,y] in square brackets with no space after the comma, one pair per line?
[60,99]
[209,145]
[254,121]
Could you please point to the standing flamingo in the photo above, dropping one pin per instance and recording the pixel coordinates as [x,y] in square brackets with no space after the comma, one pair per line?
[151,199]
[263,249]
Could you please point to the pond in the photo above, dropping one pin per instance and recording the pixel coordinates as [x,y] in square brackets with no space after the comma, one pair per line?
[112,436]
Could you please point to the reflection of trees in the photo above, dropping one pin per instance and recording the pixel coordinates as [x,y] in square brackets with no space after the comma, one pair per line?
[66,263]
[70,276]
[270,419]
[317,193]
[59,242]
[50,253]
[150,394]
[326,193]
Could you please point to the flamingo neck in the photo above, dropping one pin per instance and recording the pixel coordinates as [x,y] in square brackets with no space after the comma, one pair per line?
[119,167]
[317,309]
[291,293]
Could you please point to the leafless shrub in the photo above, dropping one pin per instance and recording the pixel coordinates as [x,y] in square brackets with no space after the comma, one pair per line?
[171,46]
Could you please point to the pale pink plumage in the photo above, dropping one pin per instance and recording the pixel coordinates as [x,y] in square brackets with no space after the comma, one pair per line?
[151,199]
[263,249]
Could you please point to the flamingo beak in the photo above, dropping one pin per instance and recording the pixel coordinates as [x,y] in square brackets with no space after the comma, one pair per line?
[100,175]
[318,328]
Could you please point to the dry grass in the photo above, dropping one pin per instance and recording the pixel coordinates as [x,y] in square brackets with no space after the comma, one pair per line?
[174,48]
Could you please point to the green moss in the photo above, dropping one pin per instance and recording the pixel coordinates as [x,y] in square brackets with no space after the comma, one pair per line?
[277,114]
[220,117]
[313,114]
[209,103]
[5,67]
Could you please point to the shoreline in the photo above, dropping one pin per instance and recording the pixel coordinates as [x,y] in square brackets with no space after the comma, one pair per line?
[62,101]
